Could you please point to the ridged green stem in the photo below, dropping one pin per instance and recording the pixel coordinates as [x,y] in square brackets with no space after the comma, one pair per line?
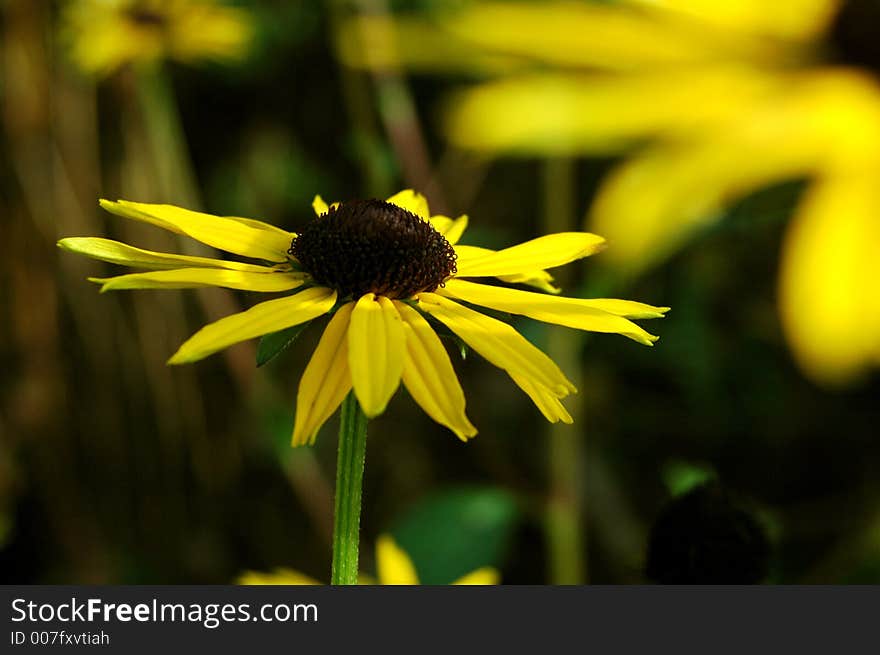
[349,487]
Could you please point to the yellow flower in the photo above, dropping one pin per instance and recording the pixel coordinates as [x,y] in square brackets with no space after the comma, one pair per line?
[393,567]
[717,99]
[385,270]
[107,34]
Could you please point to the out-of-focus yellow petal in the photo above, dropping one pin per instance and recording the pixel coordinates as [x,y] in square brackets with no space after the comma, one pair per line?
[543,252]
[380,43]
[570,312]
[229,234]
[326,381]
[498,342]
[376,346]
[115,252]
[483,576]
[266,317]
[281,576]
[411,201]
[553,114]
[208,30]
[429,377]
[320,206]
[450,228]
[393,566]
[791,19]
[829,293]
[654,202]
[596,35]
[190,278]
[544,399]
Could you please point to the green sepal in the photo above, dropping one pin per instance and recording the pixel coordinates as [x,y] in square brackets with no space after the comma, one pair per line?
[271,345]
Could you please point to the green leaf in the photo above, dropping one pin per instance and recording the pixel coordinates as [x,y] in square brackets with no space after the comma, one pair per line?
[452,533]
[271,345]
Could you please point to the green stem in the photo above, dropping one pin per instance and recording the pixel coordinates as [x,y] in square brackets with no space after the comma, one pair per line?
[349,486]
[565,518]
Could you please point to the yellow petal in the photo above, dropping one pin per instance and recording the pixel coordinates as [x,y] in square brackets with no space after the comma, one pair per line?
[229,234]
[393,566]
[535,278]
[593,34]
[792,19]
[483,576]
[429,377]
[269,316]
[570,312]
[326,380]
[189,278]
[829,296]
[545,400]
[544,252]
[553,114]
[450,228]
[107,250]
[498,342]
[411,201]
[375,352]
[280,576]
[653,203]
[320,206]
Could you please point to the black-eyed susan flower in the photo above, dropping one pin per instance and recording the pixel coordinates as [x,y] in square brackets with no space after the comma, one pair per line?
[393,567]
[107,34]
[715,100]
[388,274]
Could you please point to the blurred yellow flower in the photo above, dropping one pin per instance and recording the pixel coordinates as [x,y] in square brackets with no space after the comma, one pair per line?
[382,269]
[393,567]
[107,34]
[716,99]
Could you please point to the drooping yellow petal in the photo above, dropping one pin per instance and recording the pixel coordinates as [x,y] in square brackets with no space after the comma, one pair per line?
[376,346]
[544,252]
[190,278]
[411,201]
[393,566]
[498,342]
[450,228]
[570,312]
[229,234]
[280,576]
[326,380]
[266,317]
[482,576]
[545,400]
[829,293]
[429,377]
[114,252]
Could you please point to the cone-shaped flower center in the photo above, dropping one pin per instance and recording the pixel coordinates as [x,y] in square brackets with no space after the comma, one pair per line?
[855,34]
[366,246]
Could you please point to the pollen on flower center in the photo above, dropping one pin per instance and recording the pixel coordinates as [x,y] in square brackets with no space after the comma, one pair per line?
[854,34]
[366,246]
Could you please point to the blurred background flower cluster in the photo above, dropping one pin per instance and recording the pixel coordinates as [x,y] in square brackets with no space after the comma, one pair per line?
[728,151]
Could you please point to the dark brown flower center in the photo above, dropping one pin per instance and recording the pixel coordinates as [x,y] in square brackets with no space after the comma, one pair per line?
[370,245]
[855,34]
